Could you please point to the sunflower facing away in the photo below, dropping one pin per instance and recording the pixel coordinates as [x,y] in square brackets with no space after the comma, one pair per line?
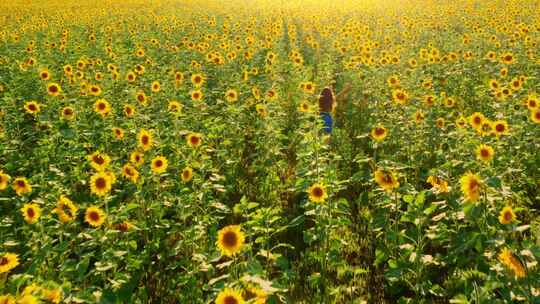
[229,296]
[507,215]
[386,179]
[317,193]
[94,216]
[507,258]
[65,209]
[8,261]
[471,185]
[31,213]
[230,240]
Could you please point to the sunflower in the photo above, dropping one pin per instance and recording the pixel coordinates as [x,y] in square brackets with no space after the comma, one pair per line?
[231,95]
[386,179]
[507,258]
[261,110]
[400,96]
[131,76]
[194,140]
[535,116]
[309,87]
[129,110]
[27,299]
[141,98]
[317,193]
[174,107]
[67,113]
[124,226]
[440,122]
[196,95]
[129,172]
[471,184]
[197,80]
[379,133]
[516,84]
[32,107]
[484,153]
[156,86]
[229,296]
[145,140]
[494,84]
[8,261]
[94,90]
[500,127]
[94,216]
[476,120]
[393,81]
[65,209]
[187,174]
[438,184]
[136,158]
[429,100]
[507,215]
[532,102]
[503,72]
[100,183]
[99,161]
[31,212]
[7,299]
[102,107]
[21,186]
[304,107]
[118,133]
[418,117]
[159,164]
[230,240]
[507,58]
[52,295]
[53,89]
[255,295]
[4,180]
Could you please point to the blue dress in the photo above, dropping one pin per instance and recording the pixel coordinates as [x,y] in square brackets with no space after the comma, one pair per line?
[328,122]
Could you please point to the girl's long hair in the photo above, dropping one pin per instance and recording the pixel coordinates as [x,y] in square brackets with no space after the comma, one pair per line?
[326,100]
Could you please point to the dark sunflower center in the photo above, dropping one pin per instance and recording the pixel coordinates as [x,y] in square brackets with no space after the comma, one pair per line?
[230,300]
[68,112]
[140,97]
[477,120]
[194,140]
[500,128]
[32,107]
[145,140]
[101,106]
[230,239]
[507,216]
[94,216]
[21,183]
[379,131]
[537,115]
[317,192]
[30,212]
[101,183]
[159,163]
[53,89]
[387,178]
[186,174]
[473,185]
[3,261]
[484,153]
[508,58]
[99,160]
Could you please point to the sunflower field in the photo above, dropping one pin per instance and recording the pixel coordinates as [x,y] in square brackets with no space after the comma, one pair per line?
[269,151]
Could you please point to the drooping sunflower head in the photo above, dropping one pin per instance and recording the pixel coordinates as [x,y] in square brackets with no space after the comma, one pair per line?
[159,164]
[21,186]
[187,174]
[94,216]
[8,261]
[484,153]
[229,296]
[379,133]
[317,193]
[507,215]
[65,209]
[4,180]
[194,140]
[471,186]
[31,212]
[386,179]
[100,183]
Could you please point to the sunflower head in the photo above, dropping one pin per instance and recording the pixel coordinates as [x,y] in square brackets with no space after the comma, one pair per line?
[101,183]
[317,193]
[129,110]
[21,186]
[500,127]
[159,164]
[507,258]
[145,140]
[65,209]
[94,216]
[4,180]
[99,161]
[535,116]
[130,173]
[386,179]
[229,296]
[230,240]
[31,212]
[187,174]
[231,95]
[194,140]
[102,107]
[484,153]
[67,113]
[196,95]
[507,215]
[32,107]
[174,107]
[471,186]
[379,133]
[136,158]
[53,89]
[8,261]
